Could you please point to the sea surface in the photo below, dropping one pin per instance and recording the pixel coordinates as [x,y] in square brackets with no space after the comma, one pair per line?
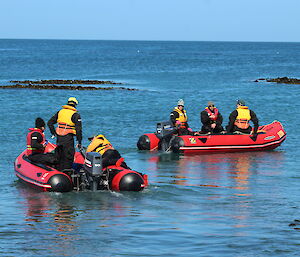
[237,204]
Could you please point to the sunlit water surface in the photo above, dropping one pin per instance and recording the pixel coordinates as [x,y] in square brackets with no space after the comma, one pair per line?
[237,204]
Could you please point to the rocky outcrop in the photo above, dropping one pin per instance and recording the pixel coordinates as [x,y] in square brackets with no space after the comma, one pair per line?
[64,87]
[282,80]
[65,81]
[63,84]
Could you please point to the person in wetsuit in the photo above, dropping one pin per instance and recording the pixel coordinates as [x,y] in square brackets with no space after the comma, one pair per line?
[239,120]
[179,119]
[211,119]
[110,156]
[36,143]
[69,126]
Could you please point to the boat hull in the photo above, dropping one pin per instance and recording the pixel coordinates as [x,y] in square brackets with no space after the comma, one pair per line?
[41,176]
[269,137]
[46,178]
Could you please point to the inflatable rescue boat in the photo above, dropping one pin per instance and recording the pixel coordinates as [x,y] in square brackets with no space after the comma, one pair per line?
[87,174]
[269,137]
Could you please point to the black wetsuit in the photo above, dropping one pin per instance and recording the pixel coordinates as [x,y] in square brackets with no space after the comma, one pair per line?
[231,127]
[67,152]
[206,121]
[110,157]
[44,158]
[183,130]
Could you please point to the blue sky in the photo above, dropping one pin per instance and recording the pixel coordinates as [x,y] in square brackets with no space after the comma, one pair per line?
[200,20]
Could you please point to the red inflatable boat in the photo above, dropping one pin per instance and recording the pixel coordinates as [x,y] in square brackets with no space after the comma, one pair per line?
[269,137]
[87,174]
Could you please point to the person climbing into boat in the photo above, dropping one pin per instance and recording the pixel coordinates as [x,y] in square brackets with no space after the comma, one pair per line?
[69,126]
[110,156]
[179,119]
[211,119]
[239,120]
[36,143]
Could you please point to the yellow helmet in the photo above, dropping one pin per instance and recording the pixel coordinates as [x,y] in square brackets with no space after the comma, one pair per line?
[73,99]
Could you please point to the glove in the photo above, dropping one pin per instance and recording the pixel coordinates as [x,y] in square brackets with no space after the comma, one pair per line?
[190,130]
[53,136]
[253,137]
[177,123]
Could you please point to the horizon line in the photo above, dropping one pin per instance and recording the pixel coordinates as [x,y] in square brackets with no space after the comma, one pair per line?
[151,40]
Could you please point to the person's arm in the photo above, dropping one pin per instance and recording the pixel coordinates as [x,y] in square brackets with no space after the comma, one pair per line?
[51,123]
[205,118]
[173,116]
[78,126]
[254,119]
[36,139]
[219,120]
[232,118]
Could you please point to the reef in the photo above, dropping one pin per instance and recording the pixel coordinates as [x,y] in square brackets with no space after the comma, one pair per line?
[65,81]
[64,85]
[282,80]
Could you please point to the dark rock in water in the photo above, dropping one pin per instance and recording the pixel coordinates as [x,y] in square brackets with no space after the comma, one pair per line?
[295,224]
[258,80]
[65,81]
[65,84]
[30,86]
[282,80]
[285,80]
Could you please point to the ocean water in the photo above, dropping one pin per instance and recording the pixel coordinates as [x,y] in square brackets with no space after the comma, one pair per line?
[237,204]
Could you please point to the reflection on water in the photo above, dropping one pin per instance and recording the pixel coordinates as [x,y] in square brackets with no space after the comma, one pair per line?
[47,213]
[230,178]
[227,170]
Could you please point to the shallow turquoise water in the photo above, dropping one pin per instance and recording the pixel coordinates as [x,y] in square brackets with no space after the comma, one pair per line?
[238,204]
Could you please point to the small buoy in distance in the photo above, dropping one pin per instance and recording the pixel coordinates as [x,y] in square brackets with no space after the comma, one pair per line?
[138,51]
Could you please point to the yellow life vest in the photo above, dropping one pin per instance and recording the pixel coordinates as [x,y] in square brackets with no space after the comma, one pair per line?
[65,123]
[243,118]
[99,144]
[182,116]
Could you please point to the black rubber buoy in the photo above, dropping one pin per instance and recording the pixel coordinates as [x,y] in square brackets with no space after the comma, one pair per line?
[143,143]
[60,183]
[131,182]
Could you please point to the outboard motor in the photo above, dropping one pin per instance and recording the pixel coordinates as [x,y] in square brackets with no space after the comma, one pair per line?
[165,131]
[93,167]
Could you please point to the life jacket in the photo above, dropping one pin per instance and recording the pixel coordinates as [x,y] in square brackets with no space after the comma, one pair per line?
[243,118]
[65,123]
[210,113]
[99,144]
[30,150]
[182,117]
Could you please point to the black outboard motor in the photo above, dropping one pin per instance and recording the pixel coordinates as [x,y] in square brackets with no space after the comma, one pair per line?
[93,167]
[165,131]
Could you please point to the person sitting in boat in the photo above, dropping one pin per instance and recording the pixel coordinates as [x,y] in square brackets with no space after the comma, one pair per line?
[211,119]
[36,143]
[239,120]
[179,119]
[110,156]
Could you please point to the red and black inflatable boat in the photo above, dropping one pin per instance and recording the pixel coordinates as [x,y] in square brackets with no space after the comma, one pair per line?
[269,137]
[87,174]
